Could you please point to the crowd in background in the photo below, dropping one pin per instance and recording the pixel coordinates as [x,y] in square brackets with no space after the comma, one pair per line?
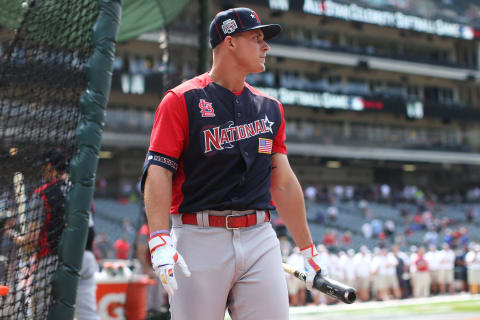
[390,273]
[445,260]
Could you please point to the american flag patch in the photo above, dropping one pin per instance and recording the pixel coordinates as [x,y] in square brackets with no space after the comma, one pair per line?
[265,145]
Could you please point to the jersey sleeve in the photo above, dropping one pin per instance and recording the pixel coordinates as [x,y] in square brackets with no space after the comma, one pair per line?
[169,135]
[170,127]
[279,142]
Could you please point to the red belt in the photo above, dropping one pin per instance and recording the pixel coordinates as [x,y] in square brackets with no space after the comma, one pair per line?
[229,222]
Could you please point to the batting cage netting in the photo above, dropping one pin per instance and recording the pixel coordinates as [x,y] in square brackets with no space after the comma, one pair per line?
[42,75]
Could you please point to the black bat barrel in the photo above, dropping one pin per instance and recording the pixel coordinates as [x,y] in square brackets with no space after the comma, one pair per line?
[335,289]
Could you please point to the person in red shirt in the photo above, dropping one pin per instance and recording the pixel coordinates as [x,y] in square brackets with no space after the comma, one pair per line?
[330,239]
[421,277]
[122,248]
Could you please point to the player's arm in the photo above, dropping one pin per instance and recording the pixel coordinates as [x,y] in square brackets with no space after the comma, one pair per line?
[158,197]
[288,197]
[167,141]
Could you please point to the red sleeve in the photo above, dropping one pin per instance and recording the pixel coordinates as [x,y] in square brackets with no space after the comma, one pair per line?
[279,142]
[170,127]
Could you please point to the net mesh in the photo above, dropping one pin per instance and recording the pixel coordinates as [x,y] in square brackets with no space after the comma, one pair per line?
[42,75]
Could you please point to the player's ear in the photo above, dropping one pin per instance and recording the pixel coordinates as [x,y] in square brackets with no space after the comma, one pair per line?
[229,42]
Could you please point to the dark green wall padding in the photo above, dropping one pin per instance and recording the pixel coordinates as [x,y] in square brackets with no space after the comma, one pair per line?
[83,166]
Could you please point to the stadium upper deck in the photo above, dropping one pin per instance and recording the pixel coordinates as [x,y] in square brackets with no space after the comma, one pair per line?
[366,86]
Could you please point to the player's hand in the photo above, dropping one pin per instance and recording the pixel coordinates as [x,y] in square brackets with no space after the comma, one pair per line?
[313,265]
[164,257]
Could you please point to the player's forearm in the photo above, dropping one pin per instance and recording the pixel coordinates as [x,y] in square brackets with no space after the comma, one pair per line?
[158,198]
[290,205]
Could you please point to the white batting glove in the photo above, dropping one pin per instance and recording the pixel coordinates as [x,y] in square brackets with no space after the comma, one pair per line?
[164,256]
[313,265]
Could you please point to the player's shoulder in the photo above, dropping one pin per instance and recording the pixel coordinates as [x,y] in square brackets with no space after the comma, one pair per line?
[198,82]
[260,93]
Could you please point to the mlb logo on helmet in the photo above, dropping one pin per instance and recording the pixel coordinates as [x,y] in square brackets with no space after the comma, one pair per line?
[232,21]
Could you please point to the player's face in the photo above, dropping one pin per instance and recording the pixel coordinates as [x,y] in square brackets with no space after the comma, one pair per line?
[251,51]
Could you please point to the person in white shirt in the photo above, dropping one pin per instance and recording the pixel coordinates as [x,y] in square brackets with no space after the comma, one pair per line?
[433,261]
[473,268]
[296,287]
[389,273]
[384,267]
[446,268]
[362,263]
[378,285]
[346,263]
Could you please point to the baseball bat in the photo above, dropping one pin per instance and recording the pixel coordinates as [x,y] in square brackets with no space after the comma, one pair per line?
[19,187]
[325,285]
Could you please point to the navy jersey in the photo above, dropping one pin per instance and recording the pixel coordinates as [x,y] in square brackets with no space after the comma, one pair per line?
[218,144]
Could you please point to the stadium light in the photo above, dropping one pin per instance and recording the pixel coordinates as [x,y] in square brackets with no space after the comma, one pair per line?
[409,167]
[334,164]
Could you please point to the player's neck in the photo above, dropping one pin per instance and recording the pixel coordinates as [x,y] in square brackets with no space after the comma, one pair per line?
[229,79]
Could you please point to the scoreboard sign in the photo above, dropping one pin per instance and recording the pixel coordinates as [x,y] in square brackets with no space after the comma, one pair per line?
[395,19]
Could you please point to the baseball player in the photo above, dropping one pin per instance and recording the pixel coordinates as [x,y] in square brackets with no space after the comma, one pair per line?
[217,164]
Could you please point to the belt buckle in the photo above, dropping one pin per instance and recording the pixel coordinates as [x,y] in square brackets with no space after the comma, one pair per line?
[226,222]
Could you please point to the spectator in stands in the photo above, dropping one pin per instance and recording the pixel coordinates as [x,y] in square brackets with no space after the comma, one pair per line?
[349,193]
[472,260]
[469,216]
[367,230]
[446,269]
[346,239]
[319,217]
[367,213]
[103,248]
[420,274]
[464,238]
[332,213]
[431,237]
[418,223]
[385,192]
[377,226]
[448,238]
[122,248]
[296,288]
[405,214]
[311,193]
[389,228]
[362,264]
[330,238]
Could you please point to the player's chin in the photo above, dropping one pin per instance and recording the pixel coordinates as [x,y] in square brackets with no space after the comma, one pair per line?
[259,68]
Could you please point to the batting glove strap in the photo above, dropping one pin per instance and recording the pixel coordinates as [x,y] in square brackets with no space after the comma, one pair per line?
[313,264]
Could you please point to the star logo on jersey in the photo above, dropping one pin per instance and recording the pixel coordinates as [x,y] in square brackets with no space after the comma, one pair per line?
[206,108]
[268,124]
